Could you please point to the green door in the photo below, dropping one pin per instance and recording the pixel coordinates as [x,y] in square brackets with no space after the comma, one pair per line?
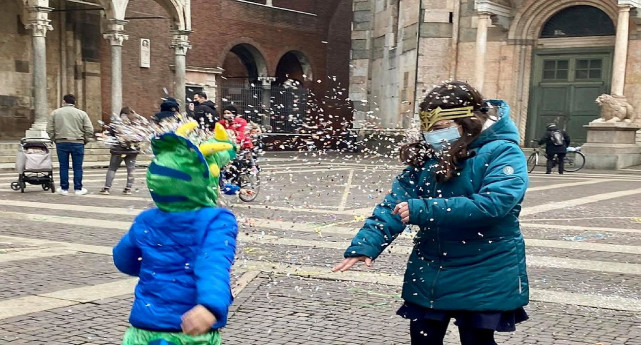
[564,90]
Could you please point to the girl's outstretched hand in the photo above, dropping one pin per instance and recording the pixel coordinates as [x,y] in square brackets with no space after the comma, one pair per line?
[349,262]
[403,210]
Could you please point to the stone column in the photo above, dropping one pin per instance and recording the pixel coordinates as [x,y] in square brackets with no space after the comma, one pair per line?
[181,44]
[621,51]
[116,37]
[39,24]
[266,100]
[483,23]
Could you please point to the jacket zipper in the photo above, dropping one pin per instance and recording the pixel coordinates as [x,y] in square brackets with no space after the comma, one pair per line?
[438,257]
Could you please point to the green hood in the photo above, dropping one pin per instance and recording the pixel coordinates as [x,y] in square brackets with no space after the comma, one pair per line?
[183,178]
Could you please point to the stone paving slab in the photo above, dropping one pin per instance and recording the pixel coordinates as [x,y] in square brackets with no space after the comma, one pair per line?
[29,277]
[573,192]
[292,310]
[628,207]
[588,222]
[62,232]
[354,314]
[550,233]
[584,255]
[555,279]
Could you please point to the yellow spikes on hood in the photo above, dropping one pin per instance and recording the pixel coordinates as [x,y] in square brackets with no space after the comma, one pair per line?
[220,133]
[209,149]
[187,128]
[214,170]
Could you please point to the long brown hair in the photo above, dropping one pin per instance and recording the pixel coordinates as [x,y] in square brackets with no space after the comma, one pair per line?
[454,94]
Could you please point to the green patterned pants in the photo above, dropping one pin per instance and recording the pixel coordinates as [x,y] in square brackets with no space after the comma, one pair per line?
[136,336]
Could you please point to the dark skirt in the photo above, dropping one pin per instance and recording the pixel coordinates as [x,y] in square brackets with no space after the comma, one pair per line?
[500,321]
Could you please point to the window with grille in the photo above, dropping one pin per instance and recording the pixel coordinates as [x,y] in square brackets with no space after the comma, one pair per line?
[578,21]
[556,69]
[589,69]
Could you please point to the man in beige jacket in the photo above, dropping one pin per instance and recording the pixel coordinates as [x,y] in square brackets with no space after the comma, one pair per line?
[70,128]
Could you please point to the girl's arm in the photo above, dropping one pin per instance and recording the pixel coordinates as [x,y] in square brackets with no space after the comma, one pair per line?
[503,187]
[382,227]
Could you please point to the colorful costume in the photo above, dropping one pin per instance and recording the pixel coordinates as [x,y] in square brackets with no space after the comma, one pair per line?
[183,250]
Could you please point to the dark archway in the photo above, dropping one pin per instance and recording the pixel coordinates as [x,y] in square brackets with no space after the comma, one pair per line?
[578,21]
[293,65]
[246,62]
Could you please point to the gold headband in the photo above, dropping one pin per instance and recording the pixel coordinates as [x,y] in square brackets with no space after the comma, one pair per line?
[429,118]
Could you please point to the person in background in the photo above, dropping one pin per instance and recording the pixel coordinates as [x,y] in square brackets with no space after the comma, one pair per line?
[233,122]
[556,144]
[126,134]
[203,111]
[71,129]
[169,110]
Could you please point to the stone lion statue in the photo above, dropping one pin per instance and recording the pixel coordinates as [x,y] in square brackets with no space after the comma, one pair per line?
[615,110]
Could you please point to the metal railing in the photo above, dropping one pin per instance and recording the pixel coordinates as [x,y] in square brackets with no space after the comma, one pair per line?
[280,109]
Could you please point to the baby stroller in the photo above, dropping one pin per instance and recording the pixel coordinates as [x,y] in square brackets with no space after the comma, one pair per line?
[33,164]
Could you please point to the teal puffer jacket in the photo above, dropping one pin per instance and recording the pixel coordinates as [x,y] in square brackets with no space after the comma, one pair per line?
[469,253]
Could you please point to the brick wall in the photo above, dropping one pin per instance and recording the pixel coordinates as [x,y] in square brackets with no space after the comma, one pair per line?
[219,25]
[142,87]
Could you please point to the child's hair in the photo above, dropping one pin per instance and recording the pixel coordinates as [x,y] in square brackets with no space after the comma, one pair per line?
[231,108]
[454,94]
[126,111]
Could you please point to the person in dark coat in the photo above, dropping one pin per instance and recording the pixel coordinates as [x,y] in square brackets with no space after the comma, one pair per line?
[203,111]
[463,189]
[556,144]
[169,108]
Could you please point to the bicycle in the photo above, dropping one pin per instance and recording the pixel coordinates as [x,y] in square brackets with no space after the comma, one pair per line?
[574,159]
[244,180]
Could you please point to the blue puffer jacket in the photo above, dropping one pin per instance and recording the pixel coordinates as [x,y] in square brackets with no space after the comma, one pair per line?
[469,253]
[182,259]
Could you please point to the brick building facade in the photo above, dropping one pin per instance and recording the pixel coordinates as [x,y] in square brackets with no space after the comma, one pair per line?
[250,43]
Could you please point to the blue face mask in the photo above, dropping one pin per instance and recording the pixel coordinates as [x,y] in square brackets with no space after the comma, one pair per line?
[441,138]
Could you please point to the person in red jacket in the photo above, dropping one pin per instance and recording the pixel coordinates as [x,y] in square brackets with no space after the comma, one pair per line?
[237,125]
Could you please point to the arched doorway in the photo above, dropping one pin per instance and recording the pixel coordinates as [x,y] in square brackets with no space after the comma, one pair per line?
[293,66]
[289,92]
[241,83]
[572,65]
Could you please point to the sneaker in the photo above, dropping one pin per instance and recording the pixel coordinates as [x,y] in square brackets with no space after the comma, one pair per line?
[81,192]
[104,191]
[63,191]
[127,191]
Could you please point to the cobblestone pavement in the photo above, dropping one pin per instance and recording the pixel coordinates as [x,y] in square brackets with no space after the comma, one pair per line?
[59,286]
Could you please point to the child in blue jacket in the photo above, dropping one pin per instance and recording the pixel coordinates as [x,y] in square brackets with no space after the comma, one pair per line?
[183,250]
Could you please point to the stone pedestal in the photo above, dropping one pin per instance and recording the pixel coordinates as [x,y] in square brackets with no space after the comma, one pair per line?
[612,146]
[37,130]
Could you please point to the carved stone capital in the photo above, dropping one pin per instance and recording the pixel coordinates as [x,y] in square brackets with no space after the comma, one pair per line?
[38,21]
[629,3]
[39,28]
[501,15]
[180,42]
[115,38]
[266,81]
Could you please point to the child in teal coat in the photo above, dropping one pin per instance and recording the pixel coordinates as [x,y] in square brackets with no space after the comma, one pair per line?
[463,189]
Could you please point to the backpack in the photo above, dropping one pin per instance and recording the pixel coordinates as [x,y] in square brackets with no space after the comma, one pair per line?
[557,138]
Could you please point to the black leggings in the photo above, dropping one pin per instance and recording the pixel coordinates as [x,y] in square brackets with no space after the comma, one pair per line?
[429,332]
